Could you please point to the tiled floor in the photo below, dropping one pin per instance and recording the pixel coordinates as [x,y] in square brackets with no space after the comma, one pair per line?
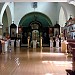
[24,61]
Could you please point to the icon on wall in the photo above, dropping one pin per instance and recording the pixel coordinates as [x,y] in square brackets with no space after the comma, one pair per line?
[50,32]
[34,4]
[56,31]
[13,32]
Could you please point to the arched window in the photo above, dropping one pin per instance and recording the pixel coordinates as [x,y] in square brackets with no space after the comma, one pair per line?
[62,18]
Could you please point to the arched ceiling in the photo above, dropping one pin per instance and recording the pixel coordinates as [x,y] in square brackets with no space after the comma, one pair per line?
[43,19]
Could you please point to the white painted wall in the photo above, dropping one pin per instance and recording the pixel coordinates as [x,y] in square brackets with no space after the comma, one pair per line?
[34,0]
[52,10]
[70,9]
[11,6]
[49,9]
[1,5]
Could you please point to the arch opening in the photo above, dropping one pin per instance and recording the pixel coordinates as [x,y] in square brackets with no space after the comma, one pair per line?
[35,23]
[6,20]
[30,17]
[62,17]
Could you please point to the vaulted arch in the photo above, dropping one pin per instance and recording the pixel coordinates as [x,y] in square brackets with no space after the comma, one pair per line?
[62,17]
[40,17]
[3,10]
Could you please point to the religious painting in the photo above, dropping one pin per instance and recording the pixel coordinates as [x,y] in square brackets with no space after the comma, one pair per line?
[19,30]
[35,26]
[34,4]
[50,32]
[13,32]
[56,31]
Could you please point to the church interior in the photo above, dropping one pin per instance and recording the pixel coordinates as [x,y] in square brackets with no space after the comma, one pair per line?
[37,37]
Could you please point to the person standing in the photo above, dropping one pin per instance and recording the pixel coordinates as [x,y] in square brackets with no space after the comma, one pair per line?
[54,43]
[51,44]
[57,44]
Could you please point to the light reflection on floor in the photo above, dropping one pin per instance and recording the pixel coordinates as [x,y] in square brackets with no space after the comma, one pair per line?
[59,63]
[48,74]
[54,54]
[33,62]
